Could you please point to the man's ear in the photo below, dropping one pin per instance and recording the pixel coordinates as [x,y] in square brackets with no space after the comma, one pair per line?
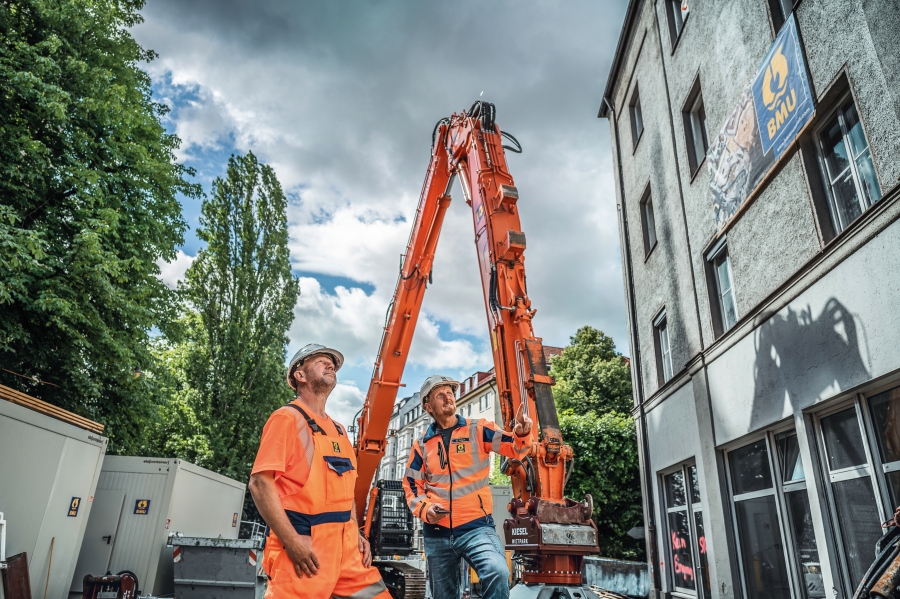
[299,376]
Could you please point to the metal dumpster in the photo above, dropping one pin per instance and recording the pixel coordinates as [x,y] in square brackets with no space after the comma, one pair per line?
[218,568]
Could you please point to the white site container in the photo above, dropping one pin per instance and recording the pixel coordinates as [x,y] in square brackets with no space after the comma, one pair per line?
[48,474]
[125,533]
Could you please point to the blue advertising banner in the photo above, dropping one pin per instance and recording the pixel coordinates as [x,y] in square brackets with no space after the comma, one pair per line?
[781,92]
[764,122]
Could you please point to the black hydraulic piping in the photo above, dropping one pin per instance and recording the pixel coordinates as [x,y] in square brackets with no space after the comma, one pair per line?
[650,532]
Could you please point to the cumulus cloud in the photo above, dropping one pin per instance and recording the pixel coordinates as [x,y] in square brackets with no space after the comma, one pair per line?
[172,272]
[341,102]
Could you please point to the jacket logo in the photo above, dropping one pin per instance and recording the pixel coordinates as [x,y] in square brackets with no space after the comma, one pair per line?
[336,446]
[460,448]
[461,440]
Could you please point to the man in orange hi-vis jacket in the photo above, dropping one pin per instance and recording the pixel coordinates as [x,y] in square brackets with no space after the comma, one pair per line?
[302,483]
[446,484]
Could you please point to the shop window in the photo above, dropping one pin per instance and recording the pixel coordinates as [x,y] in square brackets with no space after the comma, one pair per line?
[686,534]
[799,524]
[846,164]
[762,559]
[663,349]
[886,422]
[857,510]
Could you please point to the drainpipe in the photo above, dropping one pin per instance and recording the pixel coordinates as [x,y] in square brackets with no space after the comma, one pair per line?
[650,532]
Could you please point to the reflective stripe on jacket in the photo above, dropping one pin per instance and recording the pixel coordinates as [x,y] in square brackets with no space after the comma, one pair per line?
[457,479]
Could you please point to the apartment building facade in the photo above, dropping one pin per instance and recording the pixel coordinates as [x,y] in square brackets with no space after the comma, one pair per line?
[757,161]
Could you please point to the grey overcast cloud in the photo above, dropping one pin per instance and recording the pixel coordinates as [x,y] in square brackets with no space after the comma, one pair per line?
[341,98]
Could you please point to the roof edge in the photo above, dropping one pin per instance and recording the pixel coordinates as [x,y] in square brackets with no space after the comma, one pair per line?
[627,27]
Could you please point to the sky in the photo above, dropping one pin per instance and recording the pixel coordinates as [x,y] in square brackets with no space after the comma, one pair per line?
[340,98]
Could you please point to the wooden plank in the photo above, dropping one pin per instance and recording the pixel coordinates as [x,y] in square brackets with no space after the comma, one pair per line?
[33,403]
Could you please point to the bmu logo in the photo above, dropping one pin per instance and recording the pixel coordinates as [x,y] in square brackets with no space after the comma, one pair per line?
[775,92]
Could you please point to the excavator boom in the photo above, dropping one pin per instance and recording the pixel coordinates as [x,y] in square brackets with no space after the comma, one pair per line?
[470,146]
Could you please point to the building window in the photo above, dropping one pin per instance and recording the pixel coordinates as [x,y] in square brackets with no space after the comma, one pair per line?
[847,167]
[694,116]
[687,539]
[856,502]
[488,400]
[722,287]
[799,518]
[781,10]
[648,222]
[637,117]
[663,350]
[470,411]
[765,572]
[676,13]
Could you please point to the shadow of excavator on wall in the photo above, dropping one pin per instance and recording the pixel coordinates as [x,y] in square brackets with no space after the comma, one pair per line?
[801,356]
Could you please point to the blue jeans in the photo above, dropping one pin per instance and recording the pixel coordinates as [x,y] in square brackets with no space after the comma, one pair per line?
[482,549]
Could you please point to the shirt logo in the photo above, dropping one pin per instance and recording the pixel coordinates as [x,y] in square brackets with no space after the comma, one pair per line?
[336,446]
[460,448]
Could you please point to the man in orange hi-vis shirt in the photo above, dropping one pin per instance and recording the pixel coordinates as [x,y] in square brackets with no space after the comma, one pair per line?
[302,483]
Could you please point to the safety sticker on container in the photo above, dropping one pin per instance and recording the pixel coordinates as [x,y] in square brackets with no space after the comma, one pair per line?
[176,554]
[234,521]
[73,506]
[252,559]
[142,507]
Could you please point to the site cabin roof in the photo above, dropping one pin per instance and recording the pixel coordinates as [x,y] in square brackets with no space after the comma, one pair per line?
[33,403]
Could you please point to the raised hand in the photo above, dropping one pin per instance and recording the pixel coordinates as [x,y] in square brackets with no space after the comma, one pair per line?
[523,422]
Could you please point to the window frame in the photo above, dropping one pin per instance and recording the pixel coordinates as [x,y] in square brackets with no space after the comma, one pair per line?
[860,406]
[714,284]
[646,221]
[660,326]
[675,29]
[774,491]
[694,126]
[827,181]
[636,116]
[690,508]
[778,14]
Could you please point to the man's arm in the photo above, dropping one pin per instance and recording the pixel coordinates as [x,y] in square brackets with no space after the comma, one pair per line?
[298,547]
[515,445]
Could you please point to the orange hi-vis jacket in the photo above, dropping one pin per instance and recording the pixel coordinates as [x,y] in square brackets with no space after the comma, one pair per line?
[457,479]
[315,473]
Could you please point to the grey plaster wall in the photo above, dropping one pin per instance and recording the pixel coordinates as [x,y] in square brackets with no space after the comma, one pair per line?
[662,279]
[672,429]
[839,333]
[841,39]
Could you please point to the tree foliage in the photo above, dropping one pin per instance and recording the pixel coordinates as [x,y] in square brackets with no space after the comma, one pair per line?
[606,466]
[593,395]
[243,294]
[88,185]
[591,375]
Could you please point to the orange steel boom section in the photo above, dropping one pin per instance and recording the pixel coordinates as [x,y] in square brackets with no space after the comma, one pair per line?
[469,145]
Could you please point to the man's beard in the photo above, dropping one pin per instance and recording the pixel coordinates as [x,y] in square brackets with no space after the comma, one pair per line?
[322,385]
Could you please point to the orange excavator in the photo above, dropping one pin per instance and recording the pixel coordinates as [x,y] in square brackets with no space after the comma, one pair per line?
[549,533]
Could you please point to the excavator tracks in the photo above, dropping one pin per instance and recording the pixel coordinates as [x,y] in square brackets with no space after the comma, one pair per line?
[404,581]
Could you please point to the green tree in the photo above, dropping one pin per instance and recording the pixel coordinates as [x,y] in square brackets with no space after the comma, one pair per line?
[606,467]
[591,375]
[243,292]
[88,186]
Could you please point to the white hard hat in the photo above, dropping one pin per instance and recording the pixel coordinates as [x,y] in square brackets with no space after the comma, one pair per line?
[310,350]
[436,380]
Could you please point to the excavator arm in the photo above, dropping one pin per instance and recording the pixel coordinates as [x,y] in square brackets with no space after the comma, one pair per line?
[470,146]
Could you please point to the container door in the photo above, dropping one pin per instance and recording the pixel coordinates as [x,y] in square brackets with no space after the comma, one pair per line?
[100,536]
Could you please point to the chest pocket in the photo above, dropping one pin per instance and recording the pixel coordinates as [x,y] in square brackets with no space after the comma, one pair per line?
[339,471]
